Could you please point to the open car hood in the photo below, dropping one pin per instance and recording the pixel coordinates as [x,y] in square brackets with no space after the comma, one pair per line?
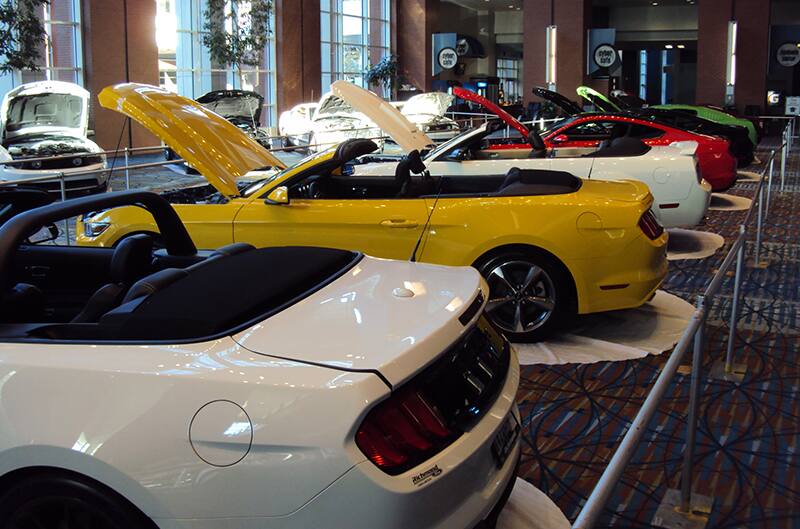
[569,107]
[242,105]
[431,104]
[494,109]
[219,150]
[597,99]
[385,116]
[45,107]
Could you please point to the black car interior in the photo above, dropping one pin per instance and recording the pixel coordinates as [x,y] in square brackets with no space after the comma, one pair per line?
[332,181]
[134,293]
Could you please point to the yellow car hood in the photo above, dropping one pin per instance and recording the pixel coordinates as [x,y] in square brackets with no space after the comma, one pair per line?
[209,143]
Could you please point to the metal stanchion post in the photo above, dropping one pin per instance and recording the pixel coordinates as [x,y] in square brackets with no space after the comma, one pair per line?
[127,171]
[769,180]
[757,260]
[784,153]
[694,396]
[735,303]
[63,198]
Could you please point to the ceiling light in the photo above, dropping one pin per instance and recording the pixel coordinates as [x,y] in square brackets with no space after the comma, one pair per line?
[681,46]
[668,46]
[655,3]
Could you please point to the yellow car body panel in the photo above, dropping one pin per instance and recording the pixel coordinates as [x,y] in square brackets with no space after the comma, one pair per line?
[593,232]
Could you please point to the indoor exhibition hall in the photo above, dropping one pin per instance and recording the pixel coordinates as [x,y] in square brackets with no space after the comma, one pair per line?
[395,264]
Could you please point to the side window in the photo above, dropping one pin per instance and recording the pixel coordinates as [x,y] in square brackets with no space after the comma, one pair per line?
[643,132]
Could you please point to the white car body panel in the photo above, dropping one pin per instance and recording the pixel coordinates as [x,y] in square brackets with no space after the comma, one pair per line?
[13,173]
[295,123]
[283,418]
[681,198]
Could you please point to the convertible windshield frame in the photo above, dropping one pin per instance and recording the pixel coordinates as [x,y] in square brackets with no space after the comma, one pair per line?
[253,189]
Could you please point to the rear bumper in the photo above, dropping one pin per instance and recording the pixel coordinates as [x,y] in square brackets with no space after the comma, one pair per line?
[690,211]
[626,280]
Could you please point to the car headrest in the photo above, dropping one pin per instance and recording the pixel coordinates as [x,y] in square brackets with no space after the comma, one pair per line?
[415,163]
[232,249]
[536,141]
[353,148]
[132,258]
[153,283]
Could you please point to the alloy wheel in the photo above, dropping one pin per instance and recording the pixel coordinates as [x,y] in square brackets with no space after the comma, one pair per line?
[522,296]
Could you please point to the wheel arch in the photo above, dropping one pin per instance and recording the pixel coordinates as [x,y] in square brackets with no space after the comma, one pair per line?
[20,463]
[532,248]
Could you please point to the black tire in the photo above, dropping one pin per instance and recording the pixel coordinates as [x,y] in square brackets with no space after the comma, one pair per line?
[530,295]
[66,502]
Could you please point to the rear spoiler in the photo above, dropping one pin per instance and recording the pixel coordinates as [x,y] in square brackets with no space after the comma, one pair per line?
[685,148]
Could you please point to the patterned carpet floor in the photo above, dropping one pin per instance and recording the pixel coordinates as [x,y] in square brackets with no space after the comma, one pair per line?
[574,416]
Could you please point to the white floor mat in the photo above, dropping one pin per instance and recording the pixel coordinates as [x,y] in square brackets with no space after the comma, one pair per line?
[530,508]
[619,335]
[692,244]
[726,202]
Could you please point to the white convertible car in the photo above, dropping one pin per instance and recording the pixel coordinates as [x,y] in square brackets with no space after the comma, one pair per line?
[681,195]
[250,388]
[50,119]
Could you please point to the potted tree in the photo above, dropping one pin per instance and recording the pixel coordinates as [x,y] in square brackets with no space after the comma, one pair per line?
[21,35]
[384,74]
[237,36]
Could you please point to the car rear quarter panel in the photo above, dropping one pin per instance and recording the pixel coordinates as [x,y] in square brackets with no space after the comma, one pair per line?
[120,414]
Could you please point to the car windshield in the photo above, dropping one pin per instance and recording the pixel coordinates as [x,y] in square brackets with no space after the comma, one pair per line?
[256,186]
[549,127]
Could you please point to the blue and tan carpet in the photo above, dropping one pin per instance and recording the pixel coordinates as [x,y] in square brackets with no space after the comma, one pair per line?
[746,458]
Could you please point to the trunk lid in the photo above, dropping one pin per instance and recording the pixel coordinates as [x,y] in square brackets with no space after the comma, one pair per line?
[384,115]
[366,320]
[45,107]
[217,148]
[618,190]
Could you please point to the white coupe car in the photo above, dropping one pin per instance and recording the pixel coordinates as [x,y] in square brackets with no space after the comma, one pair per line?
[50,119]
[681,195]
[249,388]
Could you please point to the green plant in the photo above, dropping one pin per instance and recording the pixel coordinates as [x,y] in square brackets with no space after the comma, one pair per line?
[238,35]
[384,73]
[21,35]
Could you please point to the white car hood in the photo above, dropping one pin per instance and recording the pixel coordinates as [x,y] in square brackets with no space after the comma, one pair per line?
[405,133]
[432,104]
[68,110]
[363,321]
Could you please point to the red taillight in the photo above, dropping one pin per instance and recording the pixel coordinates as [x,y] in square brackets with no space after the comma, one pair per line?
[650,225]
[402,431]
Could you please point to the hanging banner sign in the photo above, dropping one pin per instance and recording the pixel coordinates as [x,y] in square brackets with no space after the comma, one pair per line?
[789,54]
[605,55]
[448,58]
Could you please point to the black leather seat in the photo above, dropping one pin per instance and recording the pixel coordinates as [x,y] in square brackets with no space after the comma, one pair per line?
[625,146]
[22,303]
[538,148]
[132,260]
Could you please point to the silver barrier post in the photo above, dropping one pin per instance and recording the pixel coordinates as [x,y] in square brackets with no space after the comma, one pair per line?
[127,171]
[769,181]
[63,198]
[694,396]
[783,159]
[735,304]
[757,260]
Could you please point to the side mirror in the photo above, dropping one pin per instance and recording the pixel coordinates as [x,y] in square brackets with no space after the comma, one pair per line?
[278,196]
[561,138]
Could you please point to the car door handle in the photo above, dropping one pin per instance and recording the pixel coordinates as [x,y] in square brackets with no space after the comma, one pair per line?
[399,223]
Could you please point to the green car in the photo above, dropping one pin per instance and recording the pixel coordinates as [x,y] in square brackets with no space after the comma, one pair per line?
[718,116]
[711,114]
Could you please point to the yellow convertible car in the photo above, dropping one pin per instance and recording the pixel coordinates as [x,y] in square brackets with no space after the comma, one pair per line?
[549,244]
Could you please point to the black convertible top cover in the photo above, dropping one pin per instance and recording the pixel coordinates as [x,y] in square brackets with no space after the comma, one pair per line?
[226,295]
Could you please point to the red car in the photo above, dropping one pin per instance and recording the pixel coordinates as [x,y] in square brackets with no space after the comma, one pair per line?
[717,165]
[587,131]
